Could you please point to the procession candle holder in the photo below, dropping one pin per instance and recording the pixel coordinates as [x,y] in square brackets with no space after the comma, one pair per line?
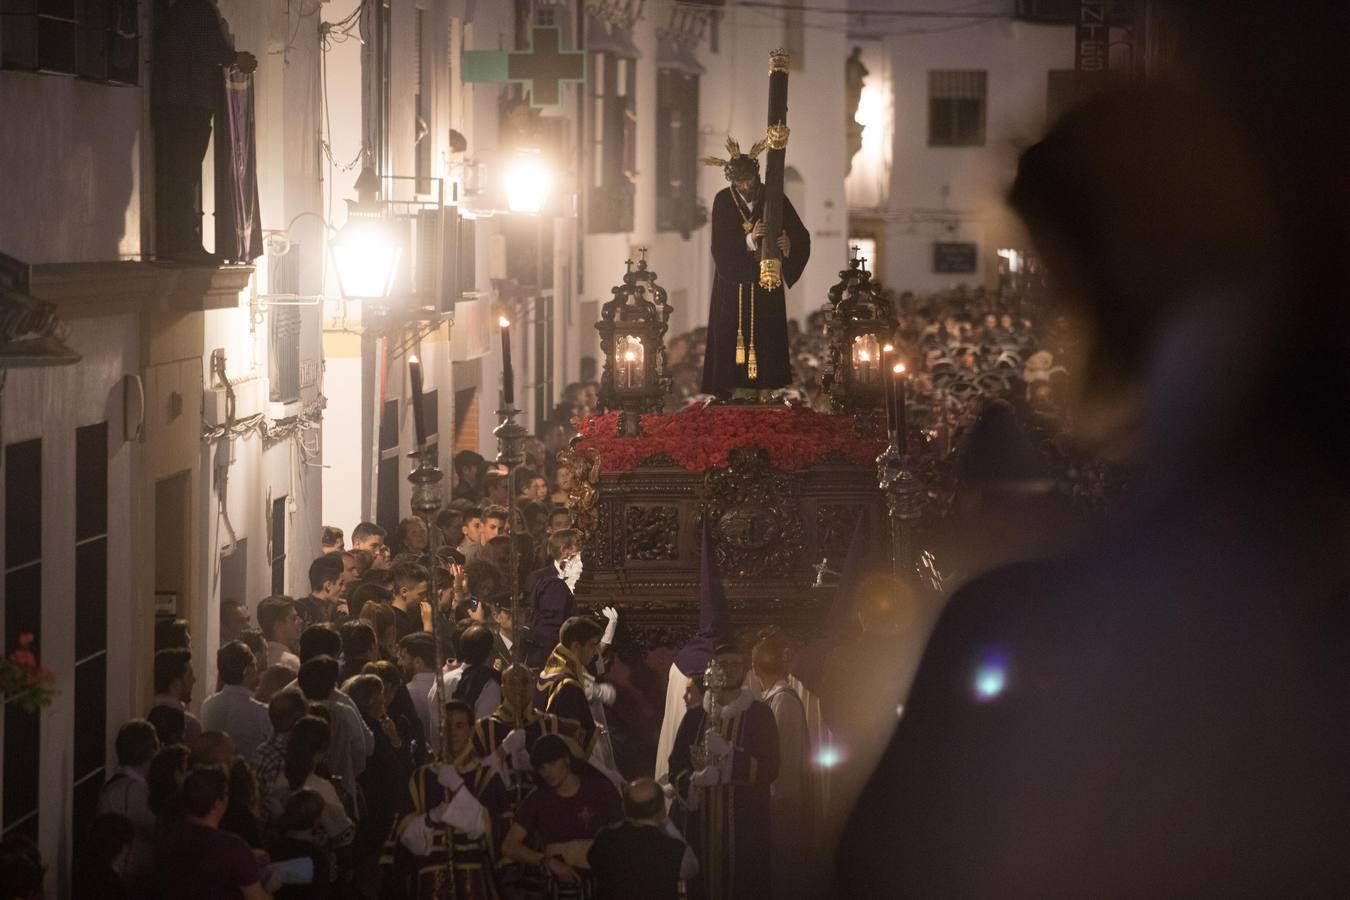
[632,329]
[904,493]
[861,323]
[427,499]
[511,437]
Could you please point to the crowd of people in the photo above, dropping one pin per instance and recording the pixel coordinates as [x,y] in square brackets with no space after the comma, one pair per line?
[396,727]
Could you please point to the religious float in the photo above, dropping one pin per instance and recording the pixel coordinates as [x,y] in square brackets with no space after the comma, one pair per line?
[779,487]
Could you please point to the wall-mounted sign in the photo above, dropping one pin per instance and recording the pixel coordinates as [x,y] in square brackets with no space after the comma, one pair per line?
[545,67]
[955,258]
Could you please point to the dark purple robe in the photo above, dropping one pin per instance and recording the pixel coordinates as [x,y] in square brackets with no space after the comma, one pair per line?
[561,691]
[737,273]
[475,859]
[729,830]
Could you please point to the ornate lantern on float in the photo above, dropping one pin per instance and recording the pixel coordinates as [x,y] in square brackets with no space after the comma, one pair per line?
[861,326]
[632,330]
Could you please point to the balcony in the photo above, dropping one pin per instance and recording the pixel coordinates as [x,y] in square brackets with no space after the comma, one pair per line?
[81,289]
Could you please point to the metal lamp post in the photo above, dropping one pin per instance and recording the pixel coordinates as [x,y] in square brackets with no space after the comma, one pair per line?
[511,436]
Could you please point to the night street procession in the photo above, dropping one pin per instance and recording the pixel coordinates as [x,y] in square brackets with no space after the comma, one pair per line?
[674,449]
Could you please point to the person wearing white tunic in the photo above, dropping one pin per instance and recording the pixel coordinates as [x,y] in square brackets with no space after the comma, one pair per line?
[790,795]
[714,630]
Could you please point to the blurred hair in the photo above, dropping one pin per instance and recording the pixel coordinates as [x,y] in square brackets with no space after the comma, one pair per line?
[137,743]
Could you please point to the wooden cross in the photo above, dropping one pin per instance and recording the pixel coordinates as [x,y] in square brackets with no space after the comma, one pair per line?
[546,66]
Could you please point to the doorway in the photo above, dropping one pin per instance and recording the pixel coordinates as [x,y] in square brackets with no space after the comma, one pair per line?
[171,545]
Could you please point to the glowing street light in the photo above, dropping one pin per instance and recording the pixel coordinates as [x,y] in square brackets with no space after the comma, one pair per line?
[365,252]
[528,183]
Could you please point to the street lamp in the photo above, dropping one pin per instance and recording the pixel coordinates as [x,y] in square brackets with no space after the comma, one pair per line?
[528,182]
[365,252]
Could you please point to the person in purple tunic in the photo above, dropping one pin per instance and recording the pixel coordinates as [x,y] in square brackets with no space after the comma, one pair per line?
[571,805]
[452,817]
[723,780]
[561,688]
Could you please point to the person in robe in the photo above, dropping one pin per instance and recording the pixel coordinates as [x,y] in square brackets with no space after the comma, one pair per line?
[791,795]
[551,596]
[714,630]
[561,687]
[747,345]
[503,740]
[601,694]
[724,761]
[451,820]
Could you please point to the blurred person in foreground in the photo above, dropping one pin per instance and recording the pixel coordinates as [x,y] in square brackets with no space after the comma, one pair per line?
[1163,713]
[644,855]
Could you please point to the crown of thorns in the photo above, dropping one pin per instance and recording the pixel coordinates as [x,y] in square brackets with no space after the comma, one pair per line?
[741,166]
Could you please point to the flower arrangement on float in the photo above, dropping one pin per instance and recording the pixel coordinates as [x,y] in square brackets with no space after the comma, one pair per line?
[24,680]
[702,437]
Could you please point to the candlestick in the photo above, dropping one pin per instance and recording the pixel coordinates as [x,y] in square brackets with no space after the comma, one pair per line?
[419,424]
[508,374]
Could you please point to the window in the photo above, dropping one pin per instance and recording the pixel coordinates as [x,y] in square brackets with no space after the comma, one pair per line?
[677,204]
[91,615]
[543,360]
[23,615]
[387,469]
[283,345]
[94,39]
[956,113]
[278,553]
[613,143]
[431,417]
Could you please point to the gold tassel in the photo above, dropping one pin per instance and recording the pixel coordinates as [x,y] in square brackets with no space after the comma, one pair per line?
[752,365]
[740,316]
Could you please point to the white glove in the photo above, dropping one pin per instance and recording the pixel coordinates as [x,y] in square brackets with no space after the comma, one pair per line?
[448,777]
[718,745]
[514,741]
[612,615]
[498,765]
[520,760]
[605,693]
[706,777]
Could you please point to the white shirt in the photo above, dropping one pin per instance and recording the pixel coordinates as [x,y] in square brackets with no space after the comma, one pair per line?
[278,654]
[333,821]
[192,728]
[352,742]
[127,794]
[489,698]
[418,688]
[234,711]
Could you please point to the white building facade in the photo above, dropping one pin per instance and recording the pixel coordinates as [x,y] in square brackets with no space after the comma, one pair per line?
[947,105]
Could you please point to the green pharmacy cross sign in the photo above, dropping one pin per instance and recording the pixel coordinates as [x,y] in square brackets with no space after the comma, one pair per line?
[544,67]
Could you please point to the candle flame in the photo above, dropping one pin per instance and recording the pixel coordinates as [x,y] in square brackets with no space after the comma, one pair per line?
[504,322]
[413,360]
[629,356]
[864,356]
[889,348]
[899,368]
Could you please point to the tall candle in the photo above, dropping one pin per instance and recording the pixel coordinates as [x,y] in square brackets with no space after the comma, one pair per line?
[508,374]
[419,424]
[888,386]
[901,401]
